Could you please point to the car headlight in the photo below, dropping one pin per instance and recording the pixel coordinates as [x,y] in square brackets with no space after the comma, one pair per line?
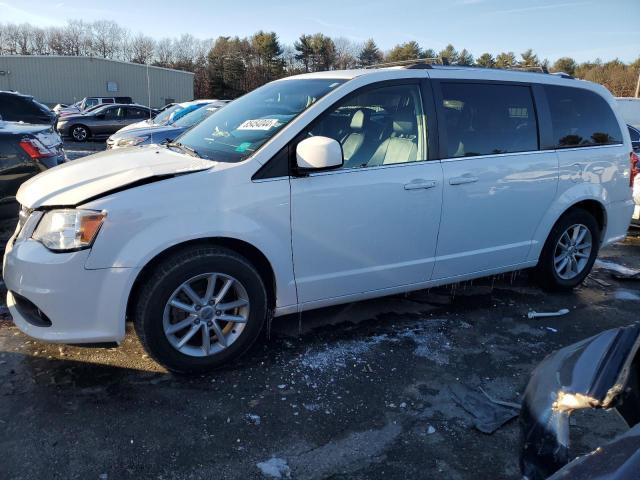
[130,142]
[68,229]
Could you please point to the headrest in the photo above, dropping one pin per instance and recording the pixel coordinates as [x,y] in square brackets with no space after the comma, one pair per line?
[359,119]
[404,123]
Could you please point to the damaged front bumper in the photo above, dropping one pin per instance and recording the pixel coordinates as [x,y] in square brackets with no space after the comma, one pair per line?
[599,372]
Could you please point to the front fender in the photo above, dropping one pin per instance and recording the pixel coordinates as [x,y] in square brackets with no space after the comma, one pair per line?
[144,221]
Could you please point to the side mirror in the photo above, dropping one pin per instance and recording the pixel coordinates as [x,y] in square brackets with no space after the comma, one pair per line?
[318,153]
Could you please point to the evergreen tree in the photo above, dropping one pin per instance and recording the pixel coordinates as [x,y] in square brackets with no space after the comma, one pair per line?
[370,54]
[486,60]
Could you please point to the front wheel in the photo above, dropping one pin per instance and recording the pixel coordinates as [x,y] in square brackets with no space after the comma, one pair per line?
[569,252]
[200,309]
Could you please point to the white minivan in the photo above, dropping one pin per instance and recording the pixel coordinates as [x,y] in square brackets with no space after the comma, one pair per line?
[316,190]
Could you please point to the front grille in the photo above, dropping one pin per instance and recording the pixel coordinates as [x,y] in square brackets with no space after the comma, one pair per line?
[30,312]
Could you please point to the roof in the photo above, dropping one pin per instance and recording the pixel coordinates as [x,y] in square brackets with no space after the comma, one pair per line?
[454,72]
[99,59]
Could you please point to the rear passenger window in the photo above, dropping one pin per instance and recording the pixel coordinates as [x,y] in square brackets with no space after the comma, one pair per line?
[488,119]
[581,118]
[378,126]
[136,113]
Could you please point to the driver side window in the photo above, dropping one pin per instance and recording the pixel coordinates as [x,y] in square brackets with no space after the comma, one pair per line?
[378,126]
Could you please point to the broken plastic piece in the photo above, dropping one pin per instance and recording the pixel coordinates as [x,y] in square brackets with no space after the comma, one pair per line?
[488,414]
[618,271]
[534,314]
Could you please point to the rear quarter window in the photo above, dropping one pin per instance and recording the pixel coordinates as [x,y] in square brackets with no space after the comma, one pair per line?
[581,118]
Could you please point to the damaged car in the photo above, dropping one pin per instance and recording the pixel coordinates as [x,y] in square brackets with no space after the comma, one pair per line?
[601,372]
[317,190]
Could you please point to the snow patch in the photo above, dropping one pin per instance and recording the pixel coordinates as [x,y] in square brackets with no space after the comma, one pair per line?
[275,468]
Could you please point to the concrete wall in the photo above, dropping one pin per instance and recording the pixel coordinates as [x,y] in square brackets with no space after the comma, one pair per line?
[59,79]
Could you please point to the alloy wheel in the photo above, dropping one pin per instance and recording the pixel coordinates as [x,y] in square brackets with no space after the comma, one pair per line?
[79,134]
[206,314]
[572,251]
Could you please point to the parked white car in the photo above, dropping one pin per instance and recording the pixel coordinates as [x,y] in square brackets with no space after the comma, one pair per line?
[317,190]
[170,115]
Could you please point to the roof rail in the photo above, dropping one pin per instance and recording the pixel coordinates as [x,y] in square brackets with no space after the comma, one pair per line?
[412,63]
[563,75]
[533,68]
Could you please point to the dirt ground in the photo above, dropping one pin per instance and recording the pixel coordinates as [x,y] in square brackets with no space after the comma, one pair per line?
[361,391]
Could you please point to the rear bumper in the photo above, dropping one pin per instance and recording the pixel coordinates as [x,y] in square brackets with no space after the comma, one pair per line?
[618,218]
[82,306]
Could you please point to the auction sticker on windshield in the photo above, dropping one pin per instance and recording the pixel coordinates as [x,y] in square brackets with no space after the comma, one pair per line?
[259,124]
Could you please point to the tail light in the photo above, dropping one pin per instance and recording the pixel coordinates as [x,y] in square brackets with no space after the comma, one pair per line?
[35,149]
[635,167]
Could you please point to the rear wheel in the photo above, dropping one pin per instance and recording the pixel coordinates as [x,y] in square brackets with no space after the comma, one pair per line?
[79,133]
[200,309]
[569,252]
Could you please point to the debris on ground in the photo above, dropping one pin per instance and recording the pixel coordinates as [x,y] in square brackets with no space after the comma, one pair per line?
[619,272]
[275,468]
[559,313]
[252,418]
[590,278]
[488,414]
[626,295]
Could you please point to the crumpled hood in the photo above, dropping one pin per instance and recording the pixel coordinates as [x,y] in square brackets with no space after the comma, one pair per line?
[76,181]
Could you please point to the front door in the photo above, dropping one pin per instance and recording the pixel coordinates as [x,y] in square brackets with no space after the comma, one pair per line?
[372,224]
[497,184]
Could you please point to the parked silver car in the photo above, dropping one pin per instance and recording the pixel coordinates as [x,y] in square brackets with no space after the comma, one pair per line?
[101,122]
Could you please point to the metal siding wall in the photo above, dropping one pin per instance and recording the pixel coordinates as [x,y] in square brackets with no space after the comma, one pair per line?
[68,79]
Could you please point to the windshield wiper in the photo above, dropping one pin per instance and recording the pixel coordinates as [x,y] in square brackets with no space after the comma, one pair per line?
[184,148]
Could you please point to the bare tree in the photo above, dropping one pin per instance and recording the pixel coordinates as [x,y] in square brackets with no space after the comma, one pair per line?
[107,39]
[140,49]
[347,52]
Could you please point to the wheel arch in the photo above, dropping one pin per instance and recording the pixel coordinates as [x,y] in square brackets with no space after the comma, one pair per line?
[591,203]
[246,249]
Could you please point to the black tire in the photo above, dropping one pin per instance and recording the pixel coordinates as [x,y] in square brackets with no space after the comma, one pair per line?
[80,133]
[545,272]
[167,277]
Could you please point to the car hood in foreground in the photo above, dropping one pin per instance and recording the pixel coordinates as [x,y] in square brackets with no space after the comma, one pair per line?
[75,182]
[599,372]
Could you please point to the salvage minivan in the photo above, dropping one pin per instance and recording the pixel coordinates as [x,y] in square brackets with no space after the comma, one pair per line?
[316,190]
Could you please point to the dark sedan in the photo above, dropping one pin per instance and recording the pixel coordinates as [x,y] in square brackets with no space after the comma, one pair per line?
[101,122]
[25,151]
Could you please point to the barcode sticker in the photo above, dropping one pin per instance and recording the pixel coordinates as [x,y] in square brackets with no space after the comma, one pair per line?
[259,124]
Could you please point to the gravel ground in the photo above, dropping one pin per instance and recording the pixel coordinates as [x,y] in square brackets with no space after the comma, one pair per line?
[75,150]
[360,391]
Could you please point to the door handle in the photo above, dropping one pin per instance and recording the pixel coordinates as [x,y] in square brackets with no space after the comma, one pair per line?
[420,184]
[462,180]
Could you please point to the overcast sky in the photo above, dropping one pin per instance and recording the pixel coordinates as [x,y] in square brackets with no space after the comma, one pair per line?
[583,29]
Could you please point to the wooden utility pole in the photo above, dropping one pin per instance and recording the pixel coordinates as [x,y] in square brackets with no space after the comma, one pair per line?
[638,86]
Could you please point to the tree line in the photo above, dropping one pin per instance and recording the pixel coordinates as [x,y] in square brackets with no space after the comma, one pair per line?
[228,67]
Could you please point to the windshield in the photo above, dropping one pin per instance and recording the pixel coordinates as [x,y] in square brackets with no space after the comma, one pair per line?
[192,118]
[236,131]
[185,111]
[163,116]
